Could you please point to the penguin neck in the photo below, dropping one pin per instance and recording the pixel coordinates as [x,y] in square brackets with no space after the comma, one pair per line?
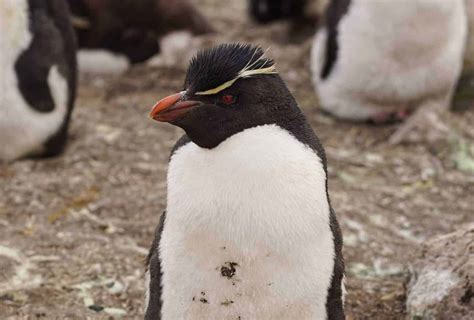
[286,115]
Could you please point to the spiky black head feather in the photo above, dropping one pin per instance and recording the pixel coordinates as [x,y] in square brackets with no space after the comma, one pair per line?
[213,67]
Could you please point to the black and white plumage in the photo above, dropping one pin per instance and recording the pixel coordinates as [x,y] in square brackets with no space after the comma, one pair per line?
[374,58]
[249,231]
[38,79]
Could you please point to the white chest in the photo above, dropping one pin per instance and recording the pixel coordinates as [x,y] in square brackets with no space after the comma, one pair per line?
[247,230]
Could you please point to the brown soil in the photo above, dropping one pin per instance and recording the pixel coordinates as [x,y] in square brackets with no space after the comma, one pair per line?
[77,228]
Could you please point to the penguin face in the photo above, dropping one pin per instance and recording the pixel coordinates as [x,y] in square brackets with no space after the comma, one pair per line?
[228,89]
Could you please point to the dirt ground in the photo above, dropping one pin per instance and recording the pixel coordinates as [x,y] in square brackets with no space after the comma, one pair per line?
[75,230]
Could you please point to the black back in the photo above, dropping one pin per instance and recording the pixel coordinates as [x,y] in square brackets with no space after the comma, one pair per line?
[53,44]
[265,11]
[334,13]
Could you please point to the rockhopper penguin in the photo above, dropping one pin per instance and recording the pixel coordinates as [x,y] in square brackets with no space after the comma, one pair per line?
[38,77]
[248,232]
[379,60]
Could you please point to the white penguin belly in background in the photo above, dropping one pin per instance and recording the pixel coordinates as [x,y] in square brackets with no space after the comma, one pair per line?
[247,230]
[383,56]
[23,130]
[96,61]
[37,79]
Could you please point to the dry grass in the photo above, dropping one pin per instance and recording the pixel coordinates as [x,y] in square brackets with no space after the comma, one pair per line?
[78,226]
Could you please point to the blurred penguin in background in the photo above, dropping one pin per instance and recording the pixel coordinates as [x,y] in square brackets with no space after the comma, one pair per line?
[133,27]
[380,60]
[304,14]
[464,97]
[38,78]
[469,54]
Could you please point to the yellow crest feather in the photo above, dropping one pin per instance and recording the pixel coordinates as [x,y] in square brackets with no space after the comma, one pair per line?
[244,73]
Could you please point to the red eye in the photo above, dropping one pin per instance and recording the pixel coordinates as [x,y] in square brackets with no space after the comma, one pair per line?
[228,99]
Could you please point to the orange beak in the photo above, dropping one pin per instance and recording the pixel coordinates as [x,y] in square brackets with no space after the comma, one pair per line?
[172,107]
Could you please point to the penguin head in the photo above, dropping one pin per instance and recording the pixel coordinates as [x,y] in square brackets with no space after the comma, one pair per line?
[228,89]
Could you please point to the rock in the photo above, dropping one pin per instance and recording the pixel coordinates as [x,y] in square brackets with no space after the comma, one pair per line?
[442,278]
[116,312]
[16,271]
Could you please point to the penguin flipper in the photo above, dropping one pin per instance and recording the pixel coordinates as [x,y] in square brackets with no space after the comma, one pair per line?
[335,298]
[334,13]
[153,263]
[52,44]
